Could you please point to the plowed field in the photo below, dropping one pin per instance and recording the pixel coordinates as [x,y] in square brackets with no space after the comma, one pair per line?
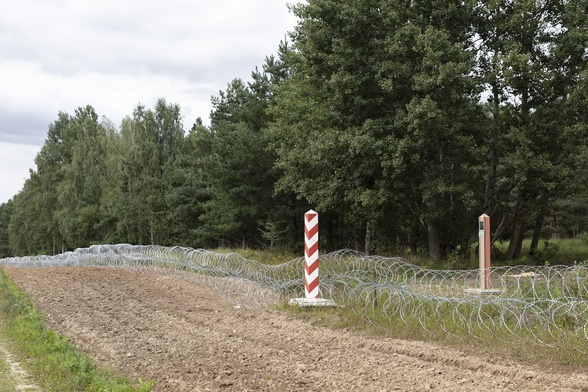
[187,338]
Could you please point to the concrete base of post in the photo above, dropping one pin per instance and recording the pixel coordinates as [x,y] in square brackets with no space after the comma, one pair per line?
[483,291]
[311,302]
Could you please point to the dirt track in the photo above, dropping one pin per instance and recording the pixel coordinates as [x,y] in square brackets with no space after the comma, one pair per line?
[186,338]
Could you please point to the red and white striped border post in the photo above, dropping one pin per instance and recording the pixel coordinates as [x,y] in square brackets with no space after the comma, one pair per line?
[311,265]
[311,251]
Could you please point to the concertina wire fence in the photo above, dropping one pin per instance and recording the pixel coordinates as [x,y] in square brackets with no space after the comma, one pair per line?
[545,305]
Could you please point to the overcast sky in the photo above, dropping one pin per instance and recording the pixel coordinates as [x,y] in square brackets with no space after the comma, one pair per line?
[58,55]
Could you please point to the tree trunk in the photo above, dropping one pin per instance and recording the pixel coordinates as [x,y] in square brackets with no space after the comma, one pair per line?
[152,232]
[537,231]
[434,242]
[368,238]
[516,238]
[434,238]
[491,180]
[330,237]
[413,240]
[501,228]
[555,232]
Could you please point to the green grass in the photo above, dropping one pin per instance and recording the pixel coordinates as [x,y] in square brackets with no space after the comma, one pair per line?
[75,369]
[53,362]
[564,251]
[477,342]
[267,256]
[7,382]
[493,336]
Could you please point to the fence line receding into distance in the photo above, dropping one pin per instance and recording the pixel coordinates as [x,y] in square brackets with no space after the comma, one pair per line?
[545,305]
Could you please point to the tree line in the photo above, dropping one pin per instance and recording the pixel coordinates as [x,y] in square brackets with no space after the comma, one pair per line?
[399,121]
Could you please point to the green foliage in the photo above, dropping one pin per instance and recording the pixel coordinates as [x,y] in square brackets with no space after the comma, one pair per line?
[271,256]
[151,140]
[376,116]
[535,72]
[237,166]
[550,249]
[568,251]
[399,122]
[493,335]
[186,188]
[5,214]
[7,382]
[26,221]
[50,358]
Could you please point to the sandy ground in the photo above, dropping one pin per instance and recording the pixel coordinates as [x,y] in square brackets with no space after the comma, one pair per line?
[187,338]
[18,378]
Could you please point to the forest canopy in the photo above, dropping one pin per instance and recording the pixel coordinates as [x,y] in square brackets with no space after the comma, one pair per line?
[400,122]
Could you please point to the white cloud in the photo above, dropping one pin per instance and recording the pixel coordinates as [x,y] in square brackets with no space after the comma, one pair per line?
[112,95]
[15,162]
[57,55]
[127,36]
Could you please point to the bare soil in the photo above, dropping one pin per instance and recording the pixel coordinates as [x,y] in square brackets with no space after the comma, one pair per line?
[187,338]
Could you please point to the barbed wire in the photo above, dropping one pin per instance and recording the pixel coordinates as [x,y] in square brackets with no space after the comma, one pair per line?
[545,305]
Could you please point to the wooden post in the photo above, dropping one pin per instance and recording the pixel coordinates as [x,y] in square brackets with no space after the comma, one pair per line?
[484,251]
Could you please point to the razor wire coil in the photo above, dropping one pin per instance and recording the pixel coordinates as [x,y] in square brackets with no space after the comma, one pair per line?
[546,305]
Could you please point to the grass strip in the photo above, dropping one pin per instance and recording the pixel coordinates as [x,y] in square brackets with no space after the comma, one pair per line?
[7,382]
[48,357]
[478,342]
